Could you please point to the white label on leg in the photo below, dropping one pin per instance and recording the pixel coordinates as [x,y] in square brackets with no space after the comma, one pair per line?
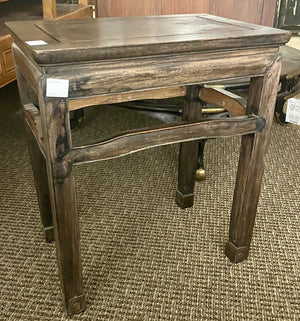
[57,87]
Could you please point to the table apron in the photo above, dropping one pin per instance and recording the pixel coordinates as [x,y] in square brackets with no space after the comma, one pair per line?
[156,73]
[99,79]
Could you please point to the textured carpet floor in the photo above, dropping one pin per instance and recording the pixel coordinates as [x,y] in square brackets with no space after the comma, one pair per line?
[143,257]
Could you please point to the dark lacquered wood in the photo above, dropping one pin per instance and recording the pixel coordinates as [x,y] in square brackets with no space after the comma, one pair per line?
[109,60]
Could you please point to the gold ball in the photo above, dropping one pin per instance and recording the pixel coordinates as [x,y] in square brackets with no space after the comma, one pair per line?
[200,174]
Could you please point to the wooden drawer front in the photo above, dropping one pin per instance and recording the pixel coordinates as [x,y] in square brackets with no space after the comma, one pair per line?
[7,69]
[8,60]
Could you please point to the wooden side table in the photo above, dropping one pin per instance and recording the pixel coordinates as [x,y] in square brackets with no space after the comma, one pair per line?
[66,65]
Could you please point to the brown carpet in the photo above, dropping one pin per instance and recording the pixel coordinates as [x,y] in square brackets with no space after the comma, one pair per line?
[143,257]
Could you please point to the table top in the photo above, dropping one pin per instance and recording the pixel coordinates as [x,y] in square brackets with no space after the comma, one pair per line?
[110,38]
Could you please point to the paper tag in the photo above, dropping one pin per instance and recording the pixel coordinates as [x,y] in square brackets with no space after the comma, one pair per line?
[293,111]
[57,87]
[36,43]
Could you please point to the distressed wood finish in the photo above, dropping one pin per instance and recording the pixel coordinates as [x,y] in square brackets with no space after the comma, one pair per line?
[156,57]
[41,182]
[135,141]
[31,71]
[38,161]
[158,72]
[188,154]
[56,128]
[235,104]
[262,97]
[159,93]
[33,117]
[111,38]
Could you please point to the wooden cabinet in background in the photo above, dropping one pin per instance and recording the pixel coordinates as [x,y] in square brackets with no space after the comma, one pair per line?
[7,69]
[14,10]
[117,8]
[254,11]
[186,6]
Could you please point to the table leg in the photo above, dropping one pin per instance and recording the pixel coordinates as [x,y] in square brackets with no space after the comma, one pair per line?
[56,127]
[188,154]
[262,97]
[41,182]
[38,162]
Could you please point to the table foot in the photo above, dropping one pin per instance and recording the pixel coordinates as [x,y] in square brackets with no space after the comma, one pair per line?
[76,305]
[184,201]
[235,253]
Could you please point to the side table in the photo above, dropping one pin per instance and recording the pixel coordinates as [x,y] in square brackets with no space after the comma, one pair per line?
[65,65]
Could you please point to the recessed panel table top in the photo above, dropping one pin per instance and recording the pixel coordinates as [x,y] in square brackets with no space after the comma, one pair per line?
[106,38]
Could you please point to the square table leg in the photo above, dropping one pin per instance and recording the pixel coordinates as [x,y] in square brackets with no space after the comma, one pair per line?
[188,154]
[38,162]
[56,128]
[261,101]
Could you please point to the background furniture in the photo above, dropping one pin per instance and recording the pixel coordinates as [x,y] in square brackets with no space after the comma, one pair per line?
[165,57]
[254,11]
[52,10]
[14,10]
[289,79]
[288,15]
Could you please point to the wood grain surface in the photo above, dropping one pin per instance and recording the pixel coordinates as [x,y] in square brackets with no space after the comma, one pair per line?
[254,11]
[187,6]
[163,135]
[116,59]
[110,38]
